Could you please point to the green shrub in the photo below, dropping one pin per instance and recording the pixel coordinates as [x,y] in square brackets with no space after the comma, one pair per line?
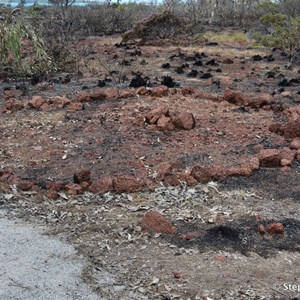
[274,20]
[285,33]
[266,40]
[14,31]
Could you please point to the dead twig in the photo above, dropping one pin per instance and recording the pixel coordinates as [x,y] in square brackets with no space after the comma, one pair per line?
[16,284]
[279,292]
[119,77]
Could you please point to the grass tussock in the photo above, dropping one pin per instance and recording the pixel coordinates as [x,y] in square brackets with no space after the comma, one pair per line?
[237,37]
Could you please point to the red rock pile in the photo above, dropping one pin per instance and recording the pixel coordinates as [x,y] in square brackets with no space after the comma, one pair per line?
[290,129]
[208,173]
[155,222]
[112,93]
[245,99]
[77,103]
[273,228]
[272,158]
[168,121]
[82,182]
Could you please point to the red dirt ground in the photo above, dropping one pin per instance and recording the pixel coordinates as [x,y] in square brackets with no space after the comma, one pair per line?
[106,133]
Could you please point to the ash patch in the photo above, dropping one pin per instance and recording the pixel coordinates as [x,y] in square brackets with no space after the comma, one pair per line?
[270,143]
[239,236]
[190,159]
[277,185]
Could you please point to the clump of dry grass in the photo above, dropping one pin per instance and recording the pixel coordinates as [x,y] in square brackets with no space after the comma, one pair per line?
[236,37]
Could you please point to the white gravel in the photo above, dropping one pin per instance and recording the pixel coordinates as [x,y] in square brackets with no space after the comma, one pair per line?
[34,266]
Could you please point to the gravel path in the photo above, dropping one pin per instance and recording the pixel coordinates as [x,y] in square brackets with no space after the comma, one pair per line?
[36,266]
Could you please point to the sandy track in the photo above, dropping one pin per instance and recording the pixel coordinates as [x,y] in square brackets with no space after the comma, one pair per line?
[36,266]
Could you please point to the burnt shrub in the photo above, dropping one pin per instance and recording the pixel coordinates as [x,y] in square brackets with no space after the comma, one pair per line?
[156,27]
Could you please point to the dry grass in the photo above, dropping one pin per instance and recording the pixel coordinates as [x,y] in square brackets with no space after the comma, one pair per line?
[225,50]
[237,37]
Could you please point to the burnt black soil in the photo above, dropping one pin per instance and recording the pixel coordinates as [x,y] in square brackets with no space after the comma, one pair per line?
[270,181]
[240,236]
